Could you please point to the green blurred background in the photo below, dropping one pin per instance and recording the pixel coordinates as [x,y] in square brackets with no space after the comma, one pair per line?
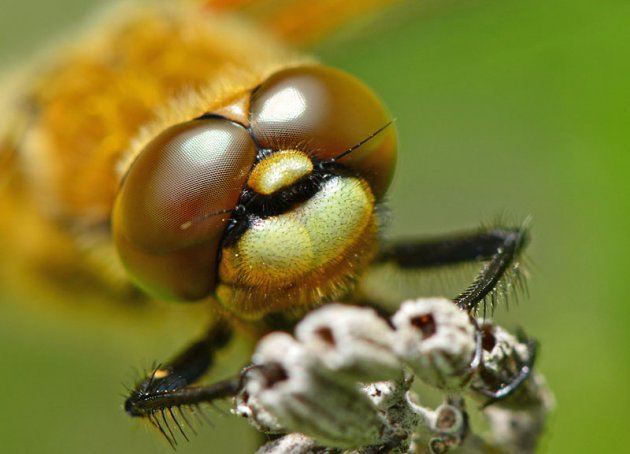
[517,107]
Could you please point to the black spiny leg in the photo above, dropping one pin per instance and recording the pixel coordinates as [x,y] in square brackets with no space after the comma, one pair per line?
[498,250]
[169,386]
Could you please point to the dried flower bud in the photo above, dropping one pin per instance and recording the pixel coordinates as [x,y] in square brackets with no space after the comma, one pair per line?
[289,381]
[450,420]
[518,420]
[437,340]
[249,406]
[294,443]
[504,361]
[517,431]
[354,342]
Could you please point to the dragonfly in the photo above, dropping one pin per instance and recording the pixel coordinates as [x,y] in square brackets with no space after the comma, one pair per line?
[191,152]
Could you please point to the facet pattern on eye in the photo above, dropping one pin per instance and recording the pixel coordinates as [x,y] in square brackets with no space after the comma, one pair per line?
[190,170]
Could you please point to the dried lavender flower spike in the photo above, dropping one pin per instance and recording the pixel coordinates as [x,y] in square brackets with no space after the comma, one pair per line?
[354,342]
[437,340]
[315,384]
[293,385]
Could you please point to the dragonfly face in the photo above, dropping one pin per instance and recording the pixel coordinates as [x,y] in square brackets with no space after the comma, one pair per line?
[272,208]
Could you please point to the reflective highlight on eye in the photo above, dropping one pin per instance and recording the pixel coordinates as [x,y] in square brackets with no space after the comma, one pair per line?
[195,147]
[287,105]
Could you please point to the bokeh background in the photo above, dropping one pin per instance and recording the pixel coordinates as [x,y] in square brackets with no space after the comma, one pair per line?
[517,107]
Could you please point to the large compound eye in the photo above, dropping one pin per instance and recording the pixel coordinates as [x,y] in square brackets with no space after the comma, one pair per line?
[171,210]
[325,112]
